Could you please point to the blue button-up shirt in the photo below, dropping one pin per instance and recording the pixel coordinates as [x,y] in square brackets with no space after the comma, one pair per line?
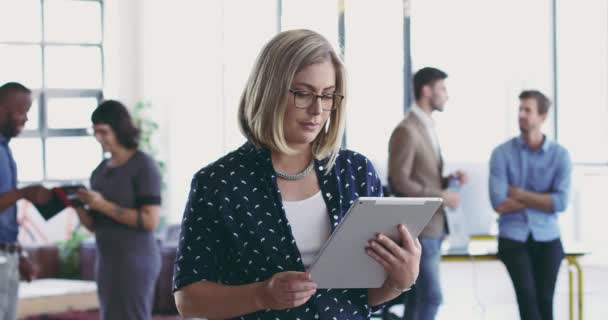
[546,170]
[235,230]
[8,182]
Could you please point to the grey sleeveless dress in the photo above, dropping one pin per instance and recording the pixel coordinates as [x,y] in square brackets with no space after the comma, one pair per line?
[128,259]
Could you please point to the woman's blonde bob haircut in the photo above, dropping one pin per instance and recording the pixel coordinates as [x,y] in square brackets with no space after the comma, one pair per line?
[263,104]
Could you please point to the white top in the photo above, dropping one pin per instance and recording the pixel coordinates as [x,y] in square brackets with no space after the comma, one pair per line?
[310,225]
[429,124]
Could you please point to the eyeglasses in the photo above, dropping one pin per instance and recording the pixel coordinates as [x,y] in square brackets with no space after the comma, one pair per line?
[304,99]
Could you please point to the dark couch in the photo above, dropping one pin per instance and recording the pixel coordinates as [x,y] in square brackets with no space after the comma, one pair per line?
[46,260]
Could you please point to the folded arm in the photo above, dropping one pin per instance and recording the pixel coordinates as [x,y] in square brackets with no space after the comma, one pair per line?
[556,199]
[501,200]
[530,199]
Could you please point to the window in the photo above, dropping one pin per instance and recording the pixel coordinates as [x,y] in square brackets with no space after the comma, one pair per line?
[374,57]
[582,79]
[319,15]
[241,47]
[489,60]
[54,47]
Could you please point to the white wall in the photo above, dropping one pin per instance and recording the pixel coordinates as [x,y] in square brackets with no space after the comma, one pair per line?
[374,60]
[122,50]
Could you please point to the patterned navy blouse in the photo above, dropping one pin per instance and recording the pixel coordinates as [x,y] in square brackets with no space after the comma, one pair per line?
[235,231]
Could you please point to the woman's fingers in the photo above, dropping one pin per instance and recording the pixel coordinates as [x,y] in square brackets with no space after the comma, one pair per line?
[293,276]
[292,281]
[391,246]
[381,250]
[289,289]
[407,241]
[297,286]
[299,302]
[400,262]
[370,252]
[295,296]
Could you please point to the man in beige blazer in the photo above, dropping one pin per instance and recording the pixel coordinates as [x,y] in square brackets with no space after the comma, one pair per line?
[415,170]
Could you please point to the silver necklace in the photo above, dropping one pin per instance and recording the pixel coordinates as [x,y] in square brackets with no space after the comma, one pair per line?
[297,176]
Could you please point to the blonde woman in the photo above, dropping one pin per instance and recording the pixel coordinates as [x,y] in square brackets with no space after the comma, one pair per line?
[256,217]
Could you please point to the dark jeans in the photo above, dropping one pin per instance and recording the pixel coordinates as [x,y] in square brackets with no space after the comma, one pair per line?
[423,301]
[533,267]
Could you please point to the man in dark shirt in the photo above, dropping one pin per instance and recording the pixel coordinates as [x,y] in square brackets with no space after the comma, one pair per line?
[15,102]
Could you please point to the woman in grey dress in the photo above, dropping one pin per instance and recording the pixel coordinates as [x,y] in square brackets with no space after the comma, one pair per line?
[122,209]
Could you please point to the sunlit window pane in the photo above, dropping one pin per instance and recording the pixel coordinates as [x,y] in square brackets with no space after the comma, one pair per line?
[242,46]
[73,21]
[489,61]
[582,79]
[70,113]
[70,67]
[20,20]
[28,155]
[71,158]
[375,70]
[21,64]
[33,116]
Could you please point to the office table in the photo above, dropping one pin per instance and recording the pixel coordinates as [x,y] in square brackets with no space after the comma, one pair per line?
[485,249]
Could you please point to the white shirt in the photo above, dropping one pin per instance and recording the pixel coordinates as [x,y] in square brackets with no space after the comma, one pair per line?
[429,124]
[310,225]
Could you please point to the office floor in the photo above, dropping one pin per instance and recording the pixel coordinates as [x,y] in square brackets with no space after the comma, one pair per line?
[482,290]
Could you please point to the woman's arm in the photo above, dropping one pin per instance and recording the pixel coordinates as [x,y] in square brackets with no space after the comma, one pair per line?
[85,218]
[198,266]
[217,301]
[146,217]
[378,296]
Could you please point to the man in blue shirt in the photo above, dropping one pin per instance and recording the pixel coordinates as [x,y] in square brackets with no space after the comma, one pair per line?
[15,102]
[529,185]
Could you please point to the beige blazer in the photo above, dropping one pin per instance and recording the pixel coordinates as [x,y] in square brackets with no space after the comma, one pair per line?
[414,170]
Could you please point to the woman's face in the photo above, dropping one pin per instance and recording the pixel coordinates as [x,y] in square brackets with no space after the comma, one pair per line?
[302,125]
[106,137]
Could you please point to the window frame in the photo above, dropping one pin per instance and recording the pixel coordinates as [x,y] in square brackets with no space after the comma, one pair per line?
[42,94]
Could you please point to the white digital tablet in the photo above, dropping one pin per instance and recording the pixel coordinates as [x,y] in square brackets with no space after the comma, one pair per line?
[343,263]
